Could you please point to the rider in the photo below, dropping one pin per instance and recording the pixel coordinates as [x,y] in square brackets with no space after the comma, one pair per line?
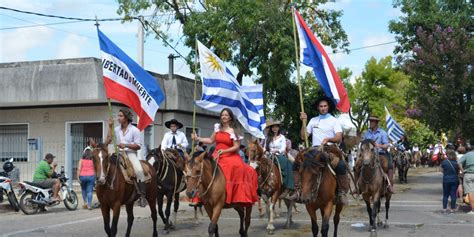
[275,143]
[325,129]
[129,141]
[380,138]
[43,175]
[175,139]
[403,143]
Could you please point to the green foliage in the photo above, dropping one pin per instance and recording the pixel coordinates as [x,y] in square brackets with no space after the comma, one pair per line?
[417,132]
[437,50]
[379,84]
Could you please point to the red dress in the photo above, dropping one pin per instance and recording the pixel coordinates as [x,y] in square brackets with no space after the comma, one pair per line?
[241,179]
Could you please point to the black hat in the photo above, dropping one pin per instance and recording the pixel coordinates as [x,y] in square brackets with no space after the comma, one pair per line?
[49,156]
[173,121]
[331,105]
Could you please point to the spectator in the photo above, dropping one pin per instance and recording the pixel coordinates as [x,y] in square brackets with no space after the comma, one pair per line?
[467,163]
[86,175]
[450,171]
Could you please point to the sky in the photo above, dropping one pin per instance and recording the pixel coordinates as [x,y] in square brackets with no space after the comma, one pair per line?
[365,22]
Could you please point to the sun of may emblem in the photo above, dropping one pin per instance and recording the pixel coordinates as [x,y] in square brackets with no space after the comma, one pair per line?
[214,64]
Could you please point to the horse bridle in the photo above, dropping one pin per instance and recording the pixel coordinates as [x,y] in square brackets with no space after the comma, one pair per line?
[199,177]
[373,167]
[101,160]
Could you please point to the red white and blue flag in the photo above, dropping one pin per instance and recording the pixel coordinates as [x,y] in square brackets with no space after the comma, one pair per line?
[128,83]
[312,54]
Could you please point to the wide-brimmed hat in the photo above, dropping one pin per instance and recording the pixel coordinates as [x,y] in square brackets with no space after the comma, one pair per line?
[331,105]
[373,118]
[49,156]
[271,123]
[173,121]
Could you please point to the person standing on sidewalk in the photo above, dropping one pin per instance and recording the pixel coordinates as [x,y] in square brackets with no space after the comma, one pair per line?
[467,162]
[86,175]
[450,171]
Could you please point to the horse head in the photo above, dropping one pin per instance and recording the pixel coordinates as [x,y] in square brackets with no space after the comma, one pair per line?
[254,151]
[367,152]
[100,158]
[194,171]
[313,161]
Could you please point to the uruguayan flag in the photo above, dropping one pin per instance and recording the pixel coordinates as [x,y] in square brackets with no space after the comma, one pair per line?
[221,90]
[255,94]
[394,130]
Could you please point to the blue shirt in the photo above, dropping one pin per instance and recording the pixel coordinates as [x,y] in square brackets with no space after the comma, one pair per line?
[379,136]
[450,171]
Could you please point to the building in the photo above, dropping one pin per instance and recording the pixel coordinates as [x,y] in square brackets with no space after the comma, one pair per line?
[54,106]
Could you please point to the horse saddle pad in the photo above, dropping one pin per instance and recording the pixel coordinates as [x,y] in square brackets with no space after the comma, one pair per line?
[128,171]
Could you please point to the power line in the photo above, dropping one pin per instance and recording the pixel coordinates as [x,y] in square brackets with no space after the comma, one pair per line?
[37,25]
[67,18]
[365,47]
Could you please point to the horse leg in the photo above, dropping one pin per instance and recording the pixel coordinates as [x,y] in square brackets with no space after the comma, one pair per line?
[248,216]
[216,212]
[130,218]
[310,207]
[369,210]
[260,208]
[387,207]
[169,201]
[115,218]
[175,210]
[326,215]
[151,198]
[289,217]
[375,204]
[337,217]
[272,201]
[241,212]
[159,200]
[106,217]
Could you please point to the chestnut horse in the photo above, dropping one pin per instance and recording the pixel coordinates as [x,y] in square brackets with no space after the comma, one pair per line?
[112,191]
[269,183]
[372,184]
[169,178]
[318,183]
[204,176]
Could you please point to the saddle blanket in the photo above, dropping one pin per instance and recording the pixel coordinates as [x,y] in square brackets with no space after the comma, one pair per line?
[128,171]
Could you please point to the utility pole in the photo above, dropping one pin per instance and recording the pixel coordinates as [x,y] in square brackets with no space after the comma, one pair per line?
[141,62]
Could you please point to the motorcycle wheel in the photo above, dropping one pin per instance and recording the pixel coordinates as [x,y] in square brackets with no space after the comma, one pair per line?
[71,202]
[13,200]
[26,205]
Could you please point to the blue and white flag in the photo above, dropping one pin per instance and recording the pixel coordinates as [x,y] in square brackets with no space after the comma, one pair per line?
[255,94]
[394,130]
[221,90]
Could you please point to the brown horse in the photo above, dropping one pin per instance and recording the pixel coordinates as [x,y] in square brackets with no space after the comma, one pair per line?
[416,159]
[403,165]
[318,183]
[372,183]
[169,182]
[204,176]
[112,191]
[269,183]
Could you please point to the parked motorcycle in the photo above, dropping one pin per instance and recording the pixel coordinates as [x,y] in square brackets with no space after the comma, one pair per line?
[35,197]
[6,186]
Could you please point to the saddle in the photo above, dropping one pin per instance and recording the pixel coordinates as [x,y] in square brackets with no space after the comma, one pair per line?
[129,173]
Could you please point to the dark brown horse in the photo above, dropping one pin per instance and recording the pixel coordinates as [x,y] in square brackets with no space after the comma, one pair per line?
[204,176]
[318,183]
[112,191]
[169,181]
[372,183]
[403,165]
[269,183]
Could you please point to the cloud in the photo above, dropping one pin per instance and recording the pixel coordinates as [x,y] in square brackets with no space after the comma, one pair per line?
[16,44]
[381,50]
[70,47]
[26,5]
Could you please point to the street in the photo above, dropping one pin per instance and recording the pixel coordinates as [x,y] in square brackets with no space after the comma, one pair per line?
[415,211]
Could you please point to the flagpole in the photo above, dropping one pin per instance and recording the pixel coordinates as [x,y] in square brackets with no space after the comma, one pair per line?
[298,73]
[195,89]
[109,104]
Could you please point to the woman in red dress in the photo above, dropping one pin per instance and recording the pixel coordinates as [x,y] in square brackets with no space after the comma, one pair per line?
[241,179]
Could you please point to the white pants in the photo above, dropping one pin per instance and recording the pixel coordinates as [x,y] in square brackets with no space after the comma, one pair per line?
[137,167]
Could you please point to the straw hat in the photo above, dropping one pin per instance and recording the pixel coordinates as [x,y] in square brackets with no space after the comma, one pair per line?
[269,124]
[374,118]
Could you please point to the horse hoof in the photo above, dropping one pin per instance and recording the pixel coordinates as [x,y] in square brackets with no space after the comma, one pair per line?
[270,232]
[386,226]
[373,230]
[379,223]
[165,232]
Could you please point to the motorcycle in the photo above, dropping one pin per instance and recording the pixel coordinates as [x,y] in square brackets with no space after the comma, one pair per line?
[6,186]
[35,197]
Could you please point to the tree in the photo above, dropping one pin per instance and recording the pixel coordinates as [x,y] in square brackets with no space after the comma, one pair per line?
[417,132]
[436,49]
[379,84]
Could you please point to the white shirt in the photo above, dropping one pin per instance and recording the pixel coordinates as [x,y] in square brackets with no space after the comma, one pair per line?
[130,136]
[278,145]
[180,137]
[321,127]
[416,149]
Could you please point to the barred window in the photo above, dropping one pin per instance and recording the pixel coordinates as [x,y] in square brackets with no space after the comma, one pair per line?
[14,142]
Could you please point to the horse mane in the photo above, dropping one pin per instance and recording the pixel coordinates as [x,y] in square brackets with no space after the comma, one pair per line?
[313,157]
[367,141]
[207,156]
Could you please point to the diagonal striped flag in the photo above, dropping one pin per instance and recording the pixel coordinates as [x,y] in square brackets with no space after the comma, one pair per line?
[394,130]
[221,90]
[255,94]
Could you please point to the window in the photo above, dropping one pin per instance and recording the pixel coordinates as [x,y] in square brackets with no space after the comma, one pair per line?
[14,142]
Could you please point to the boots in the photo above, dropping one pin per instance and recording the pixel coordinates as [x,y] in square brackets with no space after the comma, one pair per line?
[142,193]
[342,189]
[293,195]
[390,177]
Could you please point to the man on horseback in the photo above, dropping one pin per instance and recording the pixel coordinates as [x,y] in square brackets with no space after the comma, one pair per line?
[175,139]
[379,136]
[129,141]
[325,129]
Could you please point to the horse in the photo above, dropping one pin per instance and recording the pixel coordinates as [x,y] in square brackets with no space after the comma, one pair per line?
[204,176]
[318,186]
[372,184]
[416,159]
[112,190]
[403,164]
[170,182]
[269,183]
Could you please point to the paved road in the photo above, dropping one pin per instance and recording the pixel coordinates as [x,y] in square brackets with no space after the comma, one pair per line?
[415,211]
